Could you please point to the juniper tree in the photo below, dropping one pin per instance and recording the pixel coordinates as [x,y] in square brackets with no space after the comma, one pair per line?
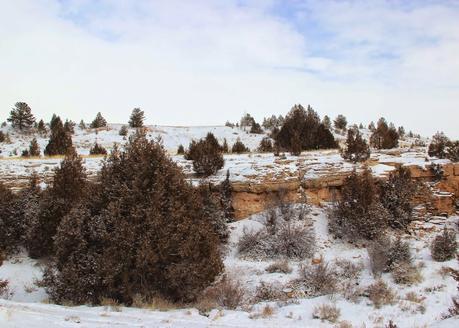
[41,127]
[439,145]
[327,122]
[239,147]
[206,155]
[225,148]
[340,122]
[60,140]
[265,145]
[97,149]
[384,136]
[82,125]
[123,131]
[143,232]
[180,150]
[356,149]
[69,126]
[98,122]
[256,128]
[137,118]
[21,116]
[34,148]
[452,151]
[66,190]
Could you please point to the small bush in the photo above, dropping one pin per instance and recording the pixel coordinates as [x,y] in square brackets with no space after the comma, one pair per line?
[268,292]
[386,254]
[2,136]
[266,145]
[326,312]
[227,293]
[406,274]
[180,150]
[346,269]
[5,291]
[380,294]
[444,246]
[239,147]
[97,149]
[206,155]
[319,279]
[123,131]
[279,267]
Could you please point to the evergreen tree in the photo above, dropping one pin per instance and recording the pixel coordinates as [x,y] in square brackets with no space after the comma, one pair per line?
[256,128]
[384,136]
[439,145]
[180,150]
[60,140]
[34,148]
[82,125]
[266,145]
[98,122]
[137,118]
[452,151]
[67,189]
[41,127]
[239,147]
[225,149]
[327,122]
[69,126]
[143,232]
[123,131]
[21,116]
[340,122]
[357,149]
[206,155]
[97,149]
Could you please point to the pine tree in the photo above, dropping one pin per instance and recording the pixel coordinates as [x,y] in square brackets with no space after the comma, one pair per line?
[384,136]
[69,126]
[41,127]
[226,198]
[60,140]
[327,122]
[206,155]
[123,131]
[82,125]
[439,145]
[98,122]
[34,148]
[21,116]
[340,122]
[357,149]
[97,149]
[266,145]
[180,150]
[239,147]
[137,118]
[225,148]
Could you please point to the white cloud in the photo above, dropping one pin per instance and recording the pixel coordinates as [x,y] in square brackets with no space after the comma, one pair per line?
[204,62]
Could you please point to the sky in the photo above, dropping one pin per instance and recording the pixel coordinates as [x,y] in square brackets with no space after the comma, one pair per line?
[202,62]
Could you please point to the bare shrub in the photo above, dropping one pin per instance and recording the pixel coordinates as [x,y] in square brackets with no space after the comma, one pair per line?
[281,266]
[326,312]
[348,274]
[380,294]
[226,293]
[5,291]
[279,238]
[266,312]
[268,292]
[444,246]
[406,274]
[386,254]
[319,279]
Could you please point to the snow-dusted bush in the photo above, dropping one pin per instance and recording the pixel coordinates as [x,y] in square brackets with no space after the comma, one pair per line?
[381,294]
[226,292]
[326,312]
[292,239]
[97,149]
[406,274]
[268,292]
[280,266]
[358,214]
[206,155]
[396,195]
[318,279]
[386,254]
[444,246]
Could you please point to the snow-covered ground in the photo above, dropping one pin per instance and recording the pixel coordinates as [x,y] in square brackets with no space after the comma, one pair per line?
[28,305]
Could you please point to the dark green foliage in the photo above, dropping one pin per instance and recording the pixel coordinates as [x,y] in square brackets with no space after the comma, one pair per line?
[98,122]
[247,120]
[143,232]
[2,136]
[340,122]
[123,131]
[396,195]
[137,118]
[256,128]
[69,126]
[82,125]
[60,140]
[34,148]
[21,116]
[384,136]
[272,122]
[212,208]
[41,127]
[444,246]
[67,189]
[226,198]
[206,155]
[358,213]
[180,150]
[97,149]
[239,147]
[225,148]
[357,149]
[302,130]
[438,145]
[327,122]
[452,152]
[266,145]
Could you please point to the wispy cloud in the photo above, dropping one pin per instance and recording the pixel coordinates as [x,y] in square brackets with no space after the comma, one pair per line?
[207,61]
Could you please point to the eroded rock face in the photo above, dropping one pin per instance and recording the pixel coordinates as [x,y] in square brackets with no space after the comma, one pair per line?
[251,198]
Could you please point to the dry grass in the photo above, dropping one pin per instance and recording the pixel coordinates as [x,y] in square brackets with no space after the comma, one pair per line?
[327,312]
[111,304]
[319,279]
[266,312]
[281,266]
[268,292]
[227,293]
[153,303]
[380,294]
[406,274]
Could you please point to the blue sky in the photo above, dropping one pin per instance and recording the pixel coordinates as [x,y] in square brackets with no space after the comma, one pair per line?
[203,62]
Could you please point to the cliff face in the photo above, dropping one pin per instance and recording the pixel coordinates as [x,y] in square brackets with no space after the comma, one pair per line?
[439,198]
